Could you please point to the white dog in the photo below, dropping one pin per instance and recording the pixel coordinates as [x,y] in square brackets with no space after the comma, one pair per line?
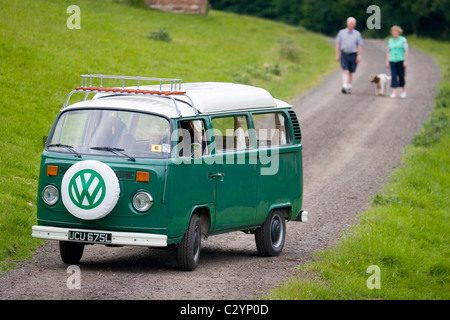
[382,81]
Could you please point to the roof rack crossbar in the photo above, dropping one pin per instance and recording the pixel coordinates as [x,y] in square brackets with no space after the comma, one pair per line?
[130,92]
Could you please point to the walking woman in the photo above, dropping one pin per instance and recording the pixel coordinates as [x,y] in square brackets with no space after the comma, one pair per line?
[396,60]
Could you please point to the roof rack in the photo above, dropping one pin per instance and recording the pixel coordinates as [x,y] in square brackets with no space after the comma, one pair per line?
[174,83]
[87,87]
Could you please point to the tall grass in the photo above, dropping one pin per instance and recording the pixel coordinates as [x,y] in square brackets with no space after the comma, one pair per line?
[41,60]
[405,233]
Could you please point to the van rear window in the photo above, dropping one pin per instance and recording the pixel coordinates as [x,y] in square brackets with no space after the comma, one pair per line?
[271,129]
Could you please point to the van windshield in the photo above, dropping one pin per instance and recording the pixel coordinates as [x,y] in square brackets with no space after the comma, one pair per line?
[111,132]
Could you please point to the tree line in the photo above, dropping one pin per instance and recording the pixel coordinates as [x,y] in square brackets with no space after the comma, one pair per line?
[430,18]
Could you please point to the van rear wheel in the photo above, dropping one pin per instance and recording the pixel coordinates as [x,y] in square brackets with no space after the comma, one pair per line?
[188,254]
[271,235]
[71,252]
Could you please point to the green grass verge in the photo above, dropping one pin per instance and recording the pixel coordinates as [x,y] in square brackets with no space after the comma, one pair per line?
[405,233]
[41,60]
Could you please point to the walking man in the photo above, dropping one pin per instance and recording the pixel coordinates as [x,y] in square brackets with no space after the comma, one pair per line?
[348,52]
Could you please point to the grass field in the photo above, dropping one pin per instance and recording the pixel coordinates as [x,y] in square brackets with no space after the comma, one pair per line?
[41,60]
[400,249]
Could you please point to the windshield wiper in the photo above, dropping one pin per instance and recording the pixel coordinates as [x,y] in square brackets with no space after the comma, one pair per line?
[70,148]
[116,151]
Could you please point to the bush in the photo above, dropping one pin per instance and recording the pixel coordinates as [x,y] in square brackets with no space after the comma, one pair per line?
[433,130]
[443,97]
[289,50]
[160,35]
[134,3]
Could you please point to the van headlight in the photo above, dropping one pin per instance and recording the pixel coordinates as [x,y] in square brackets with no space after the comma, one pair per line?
[142,201]
[50,194]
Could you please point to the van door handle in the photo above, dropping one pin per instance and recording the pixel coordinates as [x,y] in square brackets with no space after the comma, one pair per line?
[214,175]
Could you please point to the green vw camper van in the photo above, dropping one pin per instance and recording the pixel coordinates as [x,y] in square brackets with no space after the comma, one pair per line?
[162,163]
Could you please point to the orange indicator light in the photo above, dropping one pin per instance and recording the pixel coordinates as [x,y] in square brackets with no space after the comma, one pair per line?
[52,171]
[142,176]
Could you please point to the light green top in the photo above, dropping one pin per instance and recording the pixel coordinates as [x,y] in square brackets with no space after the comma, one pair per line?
[397,49]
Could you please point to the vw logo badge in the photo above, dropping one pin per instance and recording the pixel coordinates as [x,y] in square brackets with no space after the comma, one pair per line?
[87,189]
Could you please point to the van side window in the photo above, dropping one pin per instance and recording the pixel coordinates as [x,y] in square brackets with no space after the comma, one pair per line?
[270,129]
[231,133]
[192,139]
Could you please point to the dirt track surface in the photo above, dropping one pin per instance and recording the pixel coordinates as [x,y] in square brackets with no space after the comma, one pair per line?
[351,143]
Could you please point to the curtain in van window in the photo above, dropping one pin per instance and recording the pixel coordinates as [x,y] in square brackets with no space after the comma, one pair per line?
[239,133]
[197,127]
[279,123]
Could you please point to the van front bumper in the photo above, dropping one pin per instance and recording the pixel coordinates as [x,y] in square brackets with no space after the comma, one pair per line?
[90,236]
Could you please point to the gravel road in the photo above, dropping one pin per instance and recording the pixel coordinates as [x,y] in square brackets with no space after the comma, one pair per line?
[351,143]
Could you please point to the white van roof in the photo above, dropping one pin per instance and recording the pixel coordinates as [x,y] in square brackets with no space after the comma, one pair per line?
[193,99]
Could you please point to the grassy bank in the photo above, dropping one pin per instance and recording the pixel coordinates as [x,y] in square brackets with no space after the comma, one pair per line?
[400,247]
[41,60]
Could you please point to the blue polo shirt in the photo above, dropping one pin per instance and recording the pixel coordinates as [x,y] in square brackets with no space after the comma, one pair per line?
[349,40]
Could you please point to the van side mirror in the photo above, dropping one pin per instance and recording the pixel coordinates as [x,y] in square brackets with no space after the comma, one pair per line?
[44,139]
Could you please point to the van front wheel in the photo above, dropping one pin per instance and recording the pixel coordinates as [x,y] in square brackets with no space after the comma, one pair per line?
[188,254]
[270,236]
[71,252]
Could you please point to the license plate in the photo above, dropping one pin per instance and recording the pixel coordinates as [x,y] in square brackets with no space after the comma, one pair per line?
[88,236]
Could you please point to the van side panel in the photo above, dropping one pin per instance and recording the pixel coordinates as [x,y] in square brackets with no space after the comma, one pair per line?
[280,180]
[280,175]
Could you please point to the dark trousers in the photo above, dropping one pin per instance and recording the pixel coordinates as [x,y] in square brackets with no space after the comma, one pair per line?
[397,74]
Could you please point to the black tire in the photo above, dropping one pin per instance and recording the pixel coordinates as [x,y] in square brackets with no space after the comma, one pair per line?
[271,235]
[71,252]
[188,255]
